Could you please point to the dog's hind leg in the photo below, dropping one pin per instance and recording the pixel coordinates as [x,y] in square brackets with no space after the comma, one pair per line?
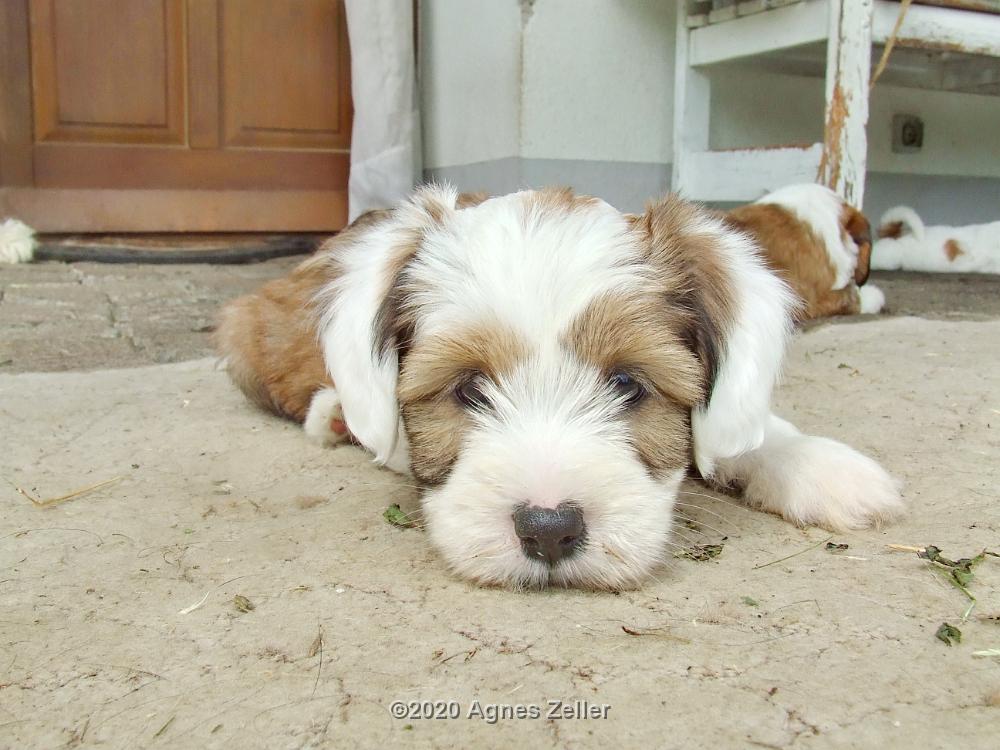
[812,480]
[269,342]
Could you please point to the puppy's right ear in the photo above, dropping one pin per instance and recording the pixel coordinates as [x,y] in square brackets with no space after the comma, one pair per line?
[739,318]
[361,328]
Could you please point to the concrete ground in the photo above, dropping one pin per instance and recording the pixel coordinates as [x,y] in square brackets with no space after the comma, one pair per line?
[237,586]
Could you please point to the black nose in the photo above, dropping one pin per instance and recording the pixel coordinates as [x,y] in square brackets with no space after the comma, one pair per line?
[549,534]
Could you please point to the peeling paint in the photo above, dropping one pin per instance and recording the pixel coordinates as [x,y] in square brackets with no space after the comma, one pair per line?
[830,163]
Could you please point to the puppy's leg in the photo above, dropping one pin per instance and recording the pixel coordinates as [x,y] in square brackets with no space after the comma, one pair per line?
[846,301]
[324,421]
[812,480]
[872,299]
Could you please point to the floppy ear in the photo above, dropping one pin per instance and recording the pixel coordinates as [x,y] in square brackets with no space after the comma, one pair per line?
[738,316]
[360,329]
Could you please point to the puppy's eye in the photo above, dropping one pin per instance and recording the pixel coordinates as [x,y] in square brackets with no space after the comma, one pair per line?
[470,394]
[627,388]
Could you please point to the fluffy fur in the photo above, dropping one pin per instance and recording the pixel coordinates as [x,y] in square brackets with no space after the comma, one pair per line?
[481,345]
[906,244]
[819,244]
[17,242]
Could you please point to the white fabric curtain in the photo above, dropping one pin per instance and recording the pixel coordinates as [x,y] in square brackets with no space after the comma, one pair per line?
[385,141]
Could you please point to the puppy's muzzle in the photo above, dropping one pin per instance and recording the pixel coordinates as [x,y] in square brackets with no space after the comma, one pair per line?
[549,534]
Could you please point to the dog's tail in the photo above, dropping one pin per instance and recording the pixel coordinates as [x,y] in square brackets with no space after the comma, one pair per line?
[900,221]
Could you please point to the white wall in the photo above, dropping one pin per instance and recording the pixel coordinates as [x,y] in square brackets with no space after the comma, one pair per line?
[549,79]
[598,80]
[470,73]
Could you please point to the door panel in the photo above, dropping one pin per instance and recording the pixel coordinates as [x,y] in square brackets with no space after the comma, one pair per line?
[108,71]
[285,100]
[197,107]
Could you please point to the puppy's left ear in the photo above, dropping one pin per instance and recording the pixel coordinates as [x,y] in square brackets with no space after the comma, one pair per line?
[362,328]
[738,316]
[859,230]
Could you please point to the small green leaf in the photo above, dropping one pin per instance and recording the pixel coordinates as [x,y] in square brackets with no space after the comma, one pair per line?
[930,552]
[701,552]
[964,577]
[750,601]
[242,603]
[394,515]
[948,634]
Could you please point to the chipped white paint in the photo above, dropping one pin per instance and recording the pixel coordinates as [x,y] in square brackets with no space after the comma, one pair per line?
[848,66]
[939,28]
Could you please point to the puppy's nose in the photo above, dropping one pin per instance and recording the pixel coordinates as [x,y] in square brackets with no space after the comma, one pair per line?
[549,534]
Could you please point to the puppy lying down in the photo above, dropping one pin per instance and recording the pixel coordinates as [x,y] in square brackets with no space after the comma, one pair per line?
[548,369]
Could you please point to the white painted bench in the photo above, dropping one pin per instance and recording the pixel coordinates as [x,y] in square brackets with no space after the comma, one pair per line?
[966,47]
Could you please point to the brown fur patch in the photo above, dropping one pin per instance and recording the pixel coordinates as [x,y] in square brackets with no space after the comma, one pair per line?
[695,281]
[269,338]
[471,200]
[891,230]
[643,337]
[435,421]
[952,249]
[799,256]
[553,200]
[270,342]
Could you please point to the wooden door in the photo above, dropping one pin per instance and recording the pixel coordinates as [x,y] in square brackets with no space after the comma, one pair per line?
[174,115]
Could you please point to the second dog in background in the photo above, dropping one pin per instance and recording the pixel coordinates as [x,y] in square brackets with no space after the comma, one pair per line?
[819,244]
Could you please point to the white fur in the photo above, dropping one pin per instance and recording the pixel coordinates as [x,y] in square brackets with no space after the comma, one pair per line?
[922,248]
[323,409]
[495,262]
[872,299]
[17,242]
[734,420]
[821,208]
[813,481]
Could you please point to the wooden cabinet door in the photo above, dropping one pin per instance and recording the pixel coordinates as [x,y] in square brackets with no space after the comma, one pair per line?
[187,115]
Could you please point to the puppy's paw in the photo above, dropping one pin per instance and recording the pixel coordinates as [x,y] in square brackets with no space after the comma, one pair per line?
[872,299]
[324,421]
[820,482]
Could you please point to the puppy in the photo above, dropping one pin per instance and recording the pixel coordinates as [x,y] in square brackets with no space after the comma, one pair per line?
[548,369]
[819,244]
[907,245]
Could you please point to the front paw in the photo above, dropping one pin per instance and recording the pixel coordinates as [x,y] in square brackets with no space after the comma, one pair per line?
[821,482]
[324,421]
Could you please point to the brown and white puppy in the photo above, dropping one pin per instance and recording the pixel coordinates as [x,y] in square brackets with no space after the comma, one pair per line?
[548,369]
[905,244]
[819,244]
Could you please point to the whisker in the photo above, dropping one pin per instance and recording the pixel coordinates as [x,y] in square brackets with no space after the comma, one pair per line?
[725,500]
[710,512]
